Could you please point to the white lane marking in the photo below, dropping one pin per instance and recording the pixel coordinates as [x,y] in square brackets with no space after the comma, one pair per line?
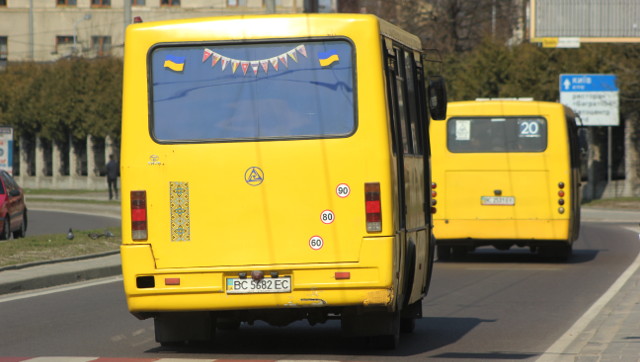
[61,359]
[559,348]
[65,288]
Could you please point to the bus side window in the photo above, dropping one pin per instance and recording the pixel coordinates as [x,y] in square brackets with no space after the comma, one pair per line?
[400,82]
[413,102]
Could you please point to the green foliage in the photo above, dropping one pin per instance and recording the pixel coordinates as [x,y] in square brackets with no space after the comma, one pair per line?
[496,70]
[74,96]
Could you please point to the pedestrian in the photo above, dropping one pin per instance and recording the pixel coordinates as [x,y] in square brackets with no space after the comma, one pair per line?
[113,170]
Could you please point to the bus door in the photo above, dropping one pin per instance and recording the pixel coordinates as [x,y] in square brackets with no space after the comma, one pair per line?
[408,149]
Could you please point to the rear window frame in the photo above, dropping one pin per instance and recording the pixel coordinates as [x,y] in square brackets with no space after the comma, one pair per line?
[456,150]
[280,41]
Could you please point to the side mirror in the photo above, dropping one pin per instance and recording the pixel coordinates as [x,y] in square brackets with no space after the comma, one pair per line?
[14,193]
[437,98]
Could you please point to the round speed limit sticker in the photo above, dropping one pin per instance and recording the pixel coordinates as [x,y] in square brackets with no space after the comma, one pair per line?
[343,190]
[316,242]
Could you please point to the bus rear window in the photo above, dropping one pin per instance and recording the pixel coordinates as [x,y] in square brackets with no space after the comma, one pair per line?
[249,91]
[492,134]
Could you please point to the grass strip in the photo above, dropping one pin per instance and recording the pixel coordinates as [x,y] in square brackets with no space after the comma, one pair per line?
[56,246]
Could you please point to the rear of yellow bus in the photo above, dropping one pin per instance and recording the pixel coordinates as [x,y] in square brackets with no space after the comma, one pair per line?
[255,172]
[503,177]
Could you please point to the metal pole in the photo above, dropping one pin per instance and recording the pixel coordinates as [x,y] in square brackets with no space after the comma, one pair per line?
[590,191]
[310,6]
[609,156]
[127,15]
[31,31]
[271,6]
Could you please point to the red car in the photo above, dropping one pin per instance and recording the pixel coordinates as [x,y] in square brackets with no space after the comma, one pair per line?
[13,211]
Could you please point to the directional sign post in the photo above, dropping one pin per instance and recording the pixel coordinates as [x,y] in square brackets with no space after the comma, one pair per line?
[593,96]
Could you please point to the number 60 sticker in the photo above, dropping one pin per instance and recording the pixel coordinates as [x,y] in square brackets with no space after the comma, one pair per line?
[316,242]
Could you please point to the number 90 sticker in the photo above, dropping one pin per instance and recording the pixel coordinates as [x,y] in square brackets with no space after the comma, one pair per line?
[316,242]
[343,190]
[327,216]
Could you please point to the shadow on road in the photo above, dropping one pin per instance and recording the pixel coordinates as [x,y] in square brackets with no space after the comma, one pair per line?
[263,341]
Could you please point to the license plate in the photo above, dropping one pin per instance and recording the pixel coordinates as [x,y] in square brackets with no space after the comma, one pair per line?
[266,285]
[498,200]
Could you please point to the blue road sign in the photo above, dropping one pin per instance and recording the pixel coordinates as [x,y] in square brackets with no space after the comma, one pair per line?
[593,96]
[588,83]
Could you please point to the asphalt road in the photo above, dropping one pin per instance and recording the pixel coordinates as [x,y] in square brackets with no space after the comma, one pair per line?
[487,305]
[55,222]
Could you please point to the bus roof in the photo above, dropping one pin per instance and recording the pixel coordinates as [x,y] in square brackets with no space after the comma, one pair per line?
[503,108]
[273,26]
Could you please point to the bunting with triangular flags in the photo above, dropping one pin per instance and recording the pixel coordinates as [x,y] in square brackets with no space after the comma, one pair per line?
[254,64]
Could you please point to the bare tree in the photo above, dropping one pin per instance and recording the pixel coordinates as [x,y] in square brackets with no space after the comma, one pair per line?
[449,25]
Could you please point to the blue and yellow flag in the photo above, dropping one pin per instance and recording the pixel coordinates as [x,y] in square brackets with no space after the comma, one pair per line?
[328,58]
[174,63]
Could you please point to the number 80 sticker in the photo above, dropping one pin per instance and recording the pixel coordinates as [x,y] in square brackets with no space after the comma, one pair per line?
[316,242]
[327,216]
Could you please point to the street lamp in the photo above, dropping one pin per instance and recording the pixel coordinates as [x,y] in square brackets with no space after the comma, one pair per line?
[75,31]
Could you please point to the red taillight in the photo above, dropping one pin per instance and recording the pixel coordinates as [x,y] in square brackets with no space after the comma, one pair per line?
[561,194]
[139,215]
[373,207]
[433,195]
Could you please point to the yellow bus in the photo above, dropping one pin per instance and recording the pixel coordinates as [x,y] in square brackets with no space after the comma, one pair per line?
[506,172]
[276,168]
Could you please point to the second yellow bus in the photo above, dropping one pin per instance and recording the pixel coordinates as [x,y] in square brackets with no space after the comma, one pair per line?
[506,173]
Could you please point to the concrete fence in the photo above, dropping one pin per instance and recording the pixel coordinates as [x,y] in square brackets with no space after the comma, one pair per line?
[42,164]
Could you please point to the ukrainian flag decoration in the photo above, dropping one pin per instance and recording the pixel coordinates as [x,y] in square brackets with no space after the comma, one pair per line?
[174,63]
[328,58]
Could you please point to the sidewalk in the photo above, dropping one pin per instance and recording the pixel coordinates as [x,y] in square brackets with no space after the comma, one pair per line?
[614,333]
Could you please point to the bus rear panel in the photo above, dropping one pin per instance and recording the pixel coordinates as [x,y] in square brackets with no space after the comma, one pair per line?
[259,178]
[506,174]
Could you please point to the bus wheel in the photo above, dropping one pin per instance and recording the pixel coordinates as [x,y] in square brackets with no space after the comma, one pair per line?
[176,328]
[228,324]
[407,325]
[444,252]
[392,339]
[459,251]
[560,252]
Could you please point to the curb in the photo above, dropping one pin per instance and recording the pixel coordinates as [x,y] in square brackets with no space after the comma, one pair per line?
[57,272]
[55,261]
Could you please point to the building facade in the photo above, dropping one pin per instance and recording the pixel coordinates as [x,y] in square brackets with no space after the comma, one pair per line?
[47,30]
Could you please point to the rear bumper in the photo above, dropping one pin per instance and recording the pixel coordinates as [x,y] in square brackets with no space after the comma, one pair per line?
[313,285]
[487,232]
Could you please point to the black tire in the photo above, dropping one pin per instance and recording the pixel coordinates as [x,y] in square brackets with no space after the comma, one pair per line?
[559,252]
[444,252]
[22,232]
[391,340]
[407,325]
[6,230]
[224,324]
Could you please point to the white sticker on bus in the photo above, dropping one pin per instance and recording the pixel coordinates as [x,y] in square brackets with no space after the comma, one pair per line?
[343,190]
[463,130]
[316,242]
[327,216]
